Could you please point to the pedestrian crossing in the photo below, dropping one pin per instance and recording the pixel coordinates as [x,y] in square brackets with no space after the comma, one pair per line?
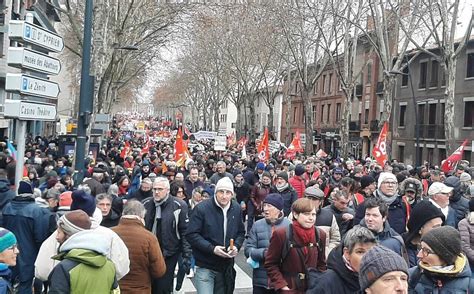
[243,283]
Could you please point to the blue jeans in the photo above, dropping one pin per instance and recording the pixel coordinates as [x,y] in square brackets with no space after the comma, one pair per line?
[208,281]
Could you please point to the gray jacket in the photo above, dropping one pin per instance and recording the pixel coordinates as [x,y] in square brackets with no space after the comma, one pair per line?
[257,243]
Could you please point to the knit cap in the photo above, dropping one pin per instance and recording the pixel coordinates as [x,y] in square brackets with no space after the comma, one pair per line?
[465,177]
[422,213]
[7,239]
[225,184]
[365,181]
[24,187]
[299,169]
[65,199]
[386,176]
[74,222]
[260,166]
[274,199]
[283,175]
[445,242]
[377,262]
[82,200]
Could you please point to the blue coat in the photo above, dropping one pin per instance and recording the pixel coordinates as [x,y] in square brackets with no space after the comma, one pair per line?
[206,230]
[256,245]
[31,225]
[5,281]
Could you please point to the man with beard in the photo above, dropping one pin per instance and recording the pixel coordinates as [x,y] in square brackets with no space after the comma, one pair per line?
[144,192]
[344,264]
[286,191]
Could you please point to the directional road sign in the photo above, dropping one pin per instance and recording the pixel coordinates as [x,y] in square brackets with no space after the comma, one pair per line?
[20,30]
[28,85]
[26,58]
[29,111]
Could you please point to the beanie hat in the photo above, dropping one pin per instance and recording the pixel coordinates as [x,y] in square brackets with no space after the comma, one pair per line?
[82,200]
[65,199]
[365,181]
[471,204]
[274,199]
[266,174]
[377,262]
[25,187]
[386,176]
[283,175]
[260,166]
[74,222]
[225,184]
[423,212]
[7,239]
[299,169]
[237,172]
[465,177]
[445,242]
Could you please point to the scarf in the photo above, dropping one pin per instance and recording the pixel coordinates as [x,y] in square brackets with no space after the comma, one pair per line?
[385,198]
[282,187]
[158,206]
[305,235]
[122,190]
[238,185]
[3,266]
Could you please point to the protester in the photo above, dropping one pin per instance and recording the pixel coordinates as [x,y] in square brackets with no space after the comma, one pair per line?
[341,211]
[287,192]
[439,196]
[383,271]
[144,192]
[6,194]
[84,267]
[220,173]
[344,264]
[146,259]
[457,201]
[292,251]
[110,217]
[213,224]
[466,229]
[297,181]
[442,268]
[259,240]
[8,255]
[257,195]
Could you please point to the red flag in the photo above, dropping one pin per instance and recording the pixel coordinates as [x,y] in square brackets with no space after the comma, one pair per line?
[242,142]
[231,139]
[263,150]
[450,162]
[295,146]
[380,149]
[179,146]
[125,150]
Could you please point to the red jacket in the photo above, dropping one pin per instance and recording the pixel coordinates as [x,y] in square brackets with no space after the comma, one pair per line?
[298,184]
[283,273]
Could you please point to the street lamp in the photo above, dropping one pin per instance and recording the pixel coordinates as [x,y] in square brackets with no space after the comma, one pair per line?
[415,108]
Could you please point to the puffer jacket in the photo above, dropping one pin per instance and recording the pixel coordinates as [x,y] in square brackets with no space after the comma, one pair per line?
[423,279]
[457,201]
[466,228]
[298,184]
[257,243]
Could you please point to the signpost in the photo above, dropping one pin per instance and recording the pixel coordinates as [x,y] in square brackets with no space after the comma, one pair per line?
[26,84]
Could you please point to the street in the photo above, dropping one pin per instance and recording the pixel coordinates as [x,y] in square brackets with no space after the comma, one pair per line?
[243,281]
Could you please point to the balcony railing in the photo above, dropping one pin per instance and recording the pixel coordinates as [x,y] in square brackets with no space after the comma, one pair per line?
[432,131]
[374,125]
[354,126]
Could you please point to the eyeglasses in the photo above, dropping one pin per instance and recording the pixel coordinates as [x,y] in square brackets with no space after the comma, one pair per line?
[390,183]
[425,251]
[13,247]
[180,191]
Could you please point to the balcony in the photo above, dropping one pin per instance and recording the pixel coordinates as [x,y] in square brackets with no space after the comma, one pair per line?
[359,90]
[354,126]
[374,125]
[379,89]
[432,132]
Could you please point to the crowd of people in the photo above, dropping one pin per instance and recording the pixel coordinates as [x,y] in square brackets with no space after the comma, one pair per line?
[306,224]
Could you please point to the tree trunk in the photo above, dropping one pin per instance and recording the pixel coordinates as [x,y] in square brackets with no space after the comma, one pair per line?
[238,123]
[252,119]
[270,120]
[344,125]
[308,113]
[449,104]
[388,86]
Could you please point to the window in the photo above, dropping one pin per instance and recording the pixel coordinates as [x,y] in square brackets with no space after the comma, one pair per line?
[361,78]
[303,117]
[441,117]
[324,85]
[294,115]
[316,87]
[430,154]
[328,113]
[442,154]
[401,117]
[434,73]
[297,88]
[366,116]
[470,65]
[443,78]
[432,114]
[466,155]
[423,72]
[401,153]
[2,36]
[314,113]
[369,73]
[322,113]
[421,113]
[330,83]
[405,76]
[469,114]
[338,111]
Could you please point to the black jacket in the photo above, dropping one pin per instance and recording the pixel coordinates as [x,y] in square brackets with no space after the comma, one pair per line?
[174,223]
[6,195]
[205,231]
[338,279]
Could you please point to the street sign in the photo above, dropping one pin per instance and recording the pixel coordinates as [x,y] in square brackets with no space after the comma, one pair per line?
[29,111]
[23,31]
[28,85]
[26,58]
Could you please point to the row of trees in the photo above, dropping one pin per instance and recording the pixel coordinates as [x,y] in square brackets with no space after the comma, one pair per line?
[236,52]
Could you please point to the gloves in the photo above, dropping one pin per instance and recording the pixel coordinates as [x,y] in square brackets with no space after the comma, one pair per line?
[186,265]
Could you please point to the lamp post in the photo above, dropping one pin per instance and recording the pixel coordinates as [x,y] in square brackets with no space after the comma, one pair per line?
[415,108]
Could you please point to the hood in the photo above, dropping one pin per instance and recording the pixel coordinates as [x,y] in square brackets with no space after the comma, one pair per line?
[455,183]
[460,270]
[336,263]
[84,256]
[89,240]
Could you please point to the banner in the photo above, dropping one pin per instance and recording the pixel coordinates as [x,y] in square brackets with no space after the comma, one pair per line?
[380,149]
[263,150]
[450,162]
